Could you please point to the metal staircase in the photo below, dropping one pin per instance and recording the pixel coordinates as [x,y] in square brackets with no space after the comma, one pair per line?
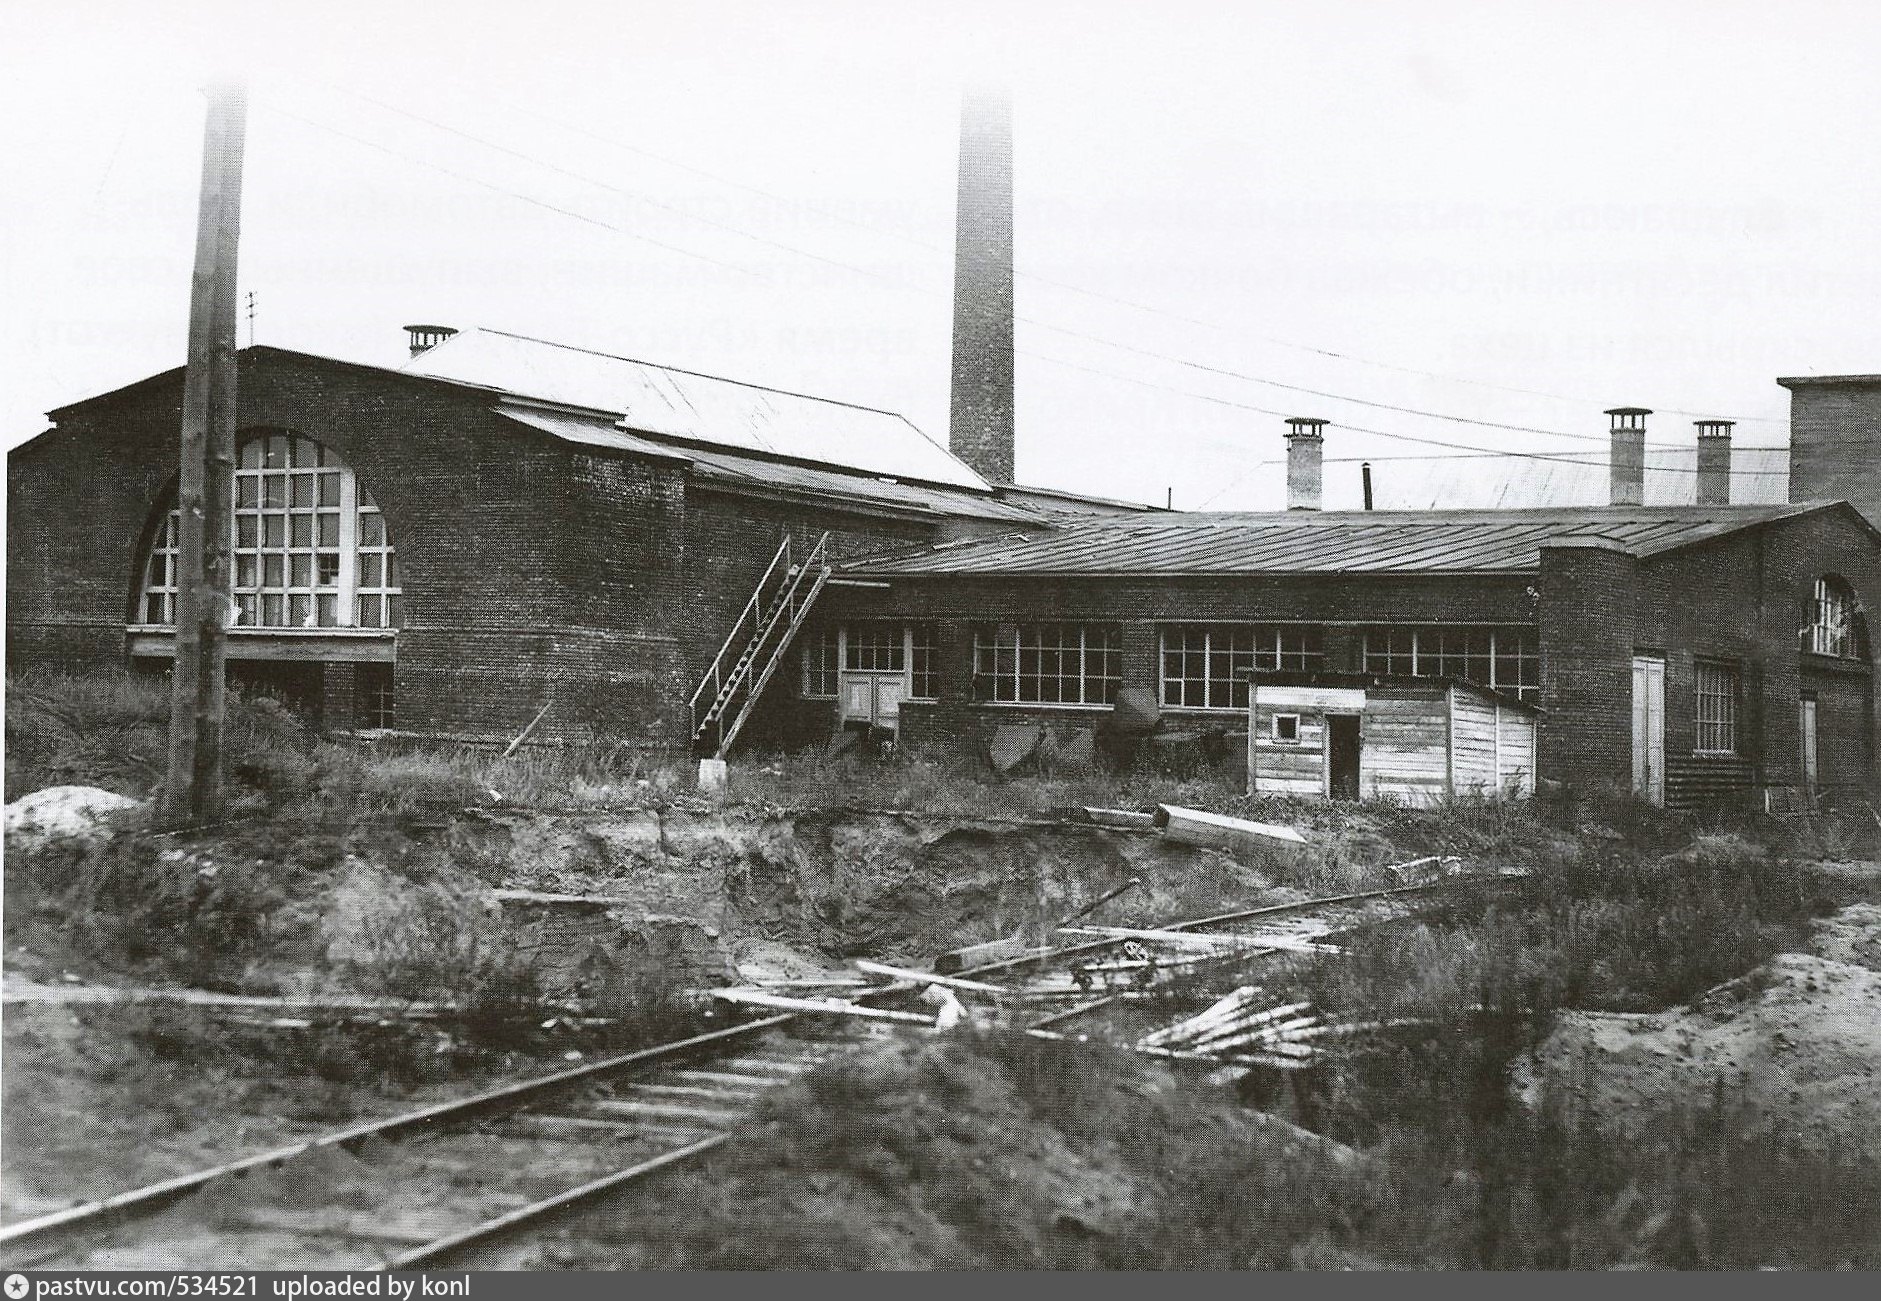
[756,644]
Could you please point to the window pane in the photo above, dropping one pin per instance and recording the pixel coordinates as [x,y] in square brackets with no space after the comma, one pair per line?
[247,490]
[273,571]
[329,489]
[368,612]
[277,452]
[303,530]
[274,530]
[245,569]
[299,610]
[274,490]
[305,454]
[301,571]
[247,529]
[251,454]
[328,607]
[328,570]
[371,529]
[303,490]
[271,611]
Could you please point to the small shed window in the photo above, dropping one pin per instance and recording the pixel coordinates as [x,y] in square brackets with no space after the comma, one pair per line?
[1048,664]
[1287,728]
[1832,631]
[1717,708]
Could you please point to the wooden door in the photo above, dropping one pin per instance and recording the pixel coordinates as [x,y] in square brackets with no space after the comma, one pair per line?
[1649,728]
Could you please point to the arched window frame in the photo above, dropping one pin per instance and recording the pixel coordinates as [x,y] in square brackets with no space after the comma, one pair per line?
[1835,625]
[309,548]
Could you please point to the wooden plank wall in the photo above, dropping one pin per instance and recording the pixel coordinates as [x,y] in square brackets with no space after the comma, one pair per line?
[1289,769]
[1515,757]
[1474,740]
[1406,734]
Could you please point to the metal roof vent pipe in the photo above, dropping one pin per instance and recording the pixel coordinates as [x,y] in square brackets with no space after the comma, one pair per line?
[1306,454]
[426,337]
[1714,462]
[1626,463]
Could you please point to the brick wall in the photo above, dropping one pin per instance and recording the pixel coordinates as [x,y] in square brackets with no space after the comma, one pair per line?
[1835,442]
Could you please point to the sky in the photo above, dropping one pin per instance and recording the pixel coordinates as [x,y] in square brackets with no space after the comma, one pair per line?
[1515,214]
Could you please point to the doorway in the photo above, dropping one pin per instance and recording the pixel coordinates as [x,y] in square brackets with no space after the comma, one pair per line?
[873,699]
[1649,728]
[1342,756]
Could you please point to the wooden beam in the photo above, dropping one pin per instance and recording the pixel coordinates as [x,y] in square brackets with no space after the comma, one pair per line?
[827,1006]
[926,977]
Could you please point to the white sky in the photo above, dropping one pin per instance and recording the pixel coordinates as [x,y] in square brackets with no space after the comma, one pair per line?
[1661,203]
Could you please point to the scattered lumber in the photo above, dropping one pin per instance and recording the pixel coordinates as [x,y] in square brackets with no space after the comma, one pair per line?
[1119,818]
[1218,831]
[1199,939]
[978,955]
[1420,870]
[828,1006]
[1223,1009]
[926,977]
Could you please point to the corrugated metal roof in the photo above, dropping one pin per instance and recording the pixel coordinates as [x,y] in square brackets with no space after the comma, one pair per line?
[729,468]
[1760,476]
[1403,542]
[678,404]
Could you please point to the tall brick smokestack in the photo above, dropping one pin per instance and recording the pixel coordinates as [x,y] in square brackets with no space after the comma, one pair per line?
[980,427]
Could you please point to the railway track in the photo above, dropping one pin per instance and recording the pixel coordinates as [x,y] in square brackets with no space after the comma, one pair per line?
[430,1187]
[422,1189]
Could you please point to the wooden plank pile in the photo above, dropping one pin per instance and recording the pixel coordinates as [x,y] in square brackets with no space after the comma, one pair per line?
[1241,1028]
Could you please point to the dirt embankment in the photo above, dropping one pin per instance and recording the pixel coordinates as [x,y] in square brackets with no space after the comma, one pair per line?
[776,893]
[1794,1044]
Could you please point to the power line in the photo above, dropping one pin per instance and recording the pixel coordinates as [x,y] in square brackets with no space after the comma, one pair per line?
[1133,304]
[1203,367]
[1468,448]
[514,194]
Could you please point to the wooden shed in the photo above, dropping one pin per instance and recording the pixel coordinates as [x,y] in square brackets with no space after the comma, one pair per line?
[1416,740]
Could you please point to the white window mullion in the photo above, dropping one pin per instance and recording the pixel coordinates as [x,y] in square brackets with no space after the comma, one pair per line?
[348,599]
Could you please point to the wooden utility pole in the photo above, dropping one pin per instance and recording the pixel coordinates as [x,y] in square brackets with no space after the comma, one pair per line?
[193,791]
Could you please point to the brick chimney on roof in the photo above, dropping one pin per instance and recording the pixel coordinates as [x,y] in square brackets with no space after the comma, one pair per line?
[1714,462]
[1626,462]
[980,424]
[1306,451]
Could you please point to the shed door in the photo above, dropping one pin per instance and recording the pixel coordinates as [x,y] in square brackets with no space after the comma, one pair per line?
[1649,728]
[1342,756]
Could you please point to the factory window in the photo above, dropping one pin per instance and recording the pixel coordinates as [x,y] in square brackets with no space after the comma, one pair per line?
[373,696]
[308,546]
[1200,661]
[1717,708]
[1833,630]
[1505,659]
[923,666]
[907,649]
[1048,664]
[822,652]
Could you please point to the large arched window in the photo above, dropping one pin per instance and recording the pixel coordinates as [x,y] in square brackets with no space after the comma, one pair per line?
[309,546]
[1835,628]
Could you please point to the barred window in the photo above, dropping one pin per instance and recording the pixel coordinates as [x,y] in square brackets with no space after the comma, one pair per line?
[1200,662]
[1832,630]
[821,655]
[308,546]
[1503,659]
[1048,664]
[373,692]
[1717,708]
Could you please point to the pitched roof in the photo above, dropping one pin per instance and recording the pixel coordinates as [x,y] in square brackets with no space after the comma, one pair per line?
[735,471]
[667,403]
[1331,542]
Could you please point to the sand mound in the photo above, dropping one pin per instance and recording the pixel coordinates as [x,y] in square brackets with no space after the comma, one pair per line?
[1796,1043]
[72,813]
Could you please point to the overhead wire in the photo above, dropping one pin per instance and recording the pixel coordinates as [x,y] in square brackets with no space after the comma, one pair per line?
[1223,371]
[1467,449]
